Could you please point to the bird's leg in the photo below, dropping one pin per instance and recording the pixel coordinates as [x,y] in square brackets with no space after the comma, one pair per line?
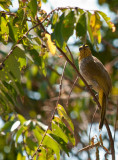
[86,88]
[96,95]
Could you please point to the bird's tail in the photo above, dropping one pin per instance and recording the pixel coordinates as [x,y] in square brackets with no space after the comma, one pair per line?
[103,103]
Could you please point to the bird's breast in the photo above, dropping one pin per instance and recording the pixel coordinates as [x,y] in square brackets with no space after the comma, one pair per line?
[86,72]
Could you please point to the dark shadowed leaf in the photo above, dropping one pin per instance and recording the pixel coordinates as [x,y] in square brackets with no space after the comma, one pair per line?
[68,25]
[61,142]
[81,26]
[58,131]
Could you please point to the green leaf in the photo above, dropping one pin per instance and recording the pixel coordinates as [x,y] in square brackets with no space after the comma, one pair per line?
[20,157]
[43,65]
[31,144]
[57,36]
[61,142]
[81,11]
[5,4]
[89,27]
[106,18]
[8,97]
[19,88]
[4,29]
[65,130]
[20,14]
[54,19]
[33,7]
[58,131]
[7,126]
[37,134]
[21,118]
[37,59]
[19,132]
[81,26]
[38,40]
[20,57]
[13,31]
[44,1]
[11,89]
[11,65]
[68,25]
[51,143]
[62,113]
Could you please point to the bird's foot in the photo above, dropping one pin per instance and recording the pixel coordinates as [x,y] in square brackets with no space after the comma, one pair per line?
[96,95]
[86,88]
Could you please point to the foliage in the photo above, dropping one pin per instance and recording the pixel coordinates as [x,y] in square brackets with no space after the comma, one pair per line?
[36,124]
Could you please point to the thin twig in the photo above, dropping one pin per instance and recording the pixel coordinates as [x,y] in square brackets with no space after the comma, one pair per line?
[70,54]
[67,78]
[89,147]
[111,139]
[110,45]
[63,8]
[115,125]
[71,91]
[8,13]
[53,111]
[92,122]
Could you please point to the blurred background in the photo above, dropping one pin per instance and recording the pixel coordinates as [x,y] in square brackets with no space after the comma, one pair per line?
[41,92]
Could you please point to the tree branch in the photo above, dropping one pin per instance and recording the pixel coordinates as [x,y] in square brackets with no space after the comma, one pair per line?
[91,92]
[110,45]
[71,91]
[67,78]
[74,67]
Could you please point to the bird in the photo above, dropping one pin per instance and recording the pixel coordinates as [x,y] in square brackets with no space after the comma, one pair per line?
[94,72]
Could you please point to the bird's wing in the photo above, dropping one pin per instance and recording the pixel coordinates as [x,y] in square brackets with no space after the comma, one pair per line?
[98,73]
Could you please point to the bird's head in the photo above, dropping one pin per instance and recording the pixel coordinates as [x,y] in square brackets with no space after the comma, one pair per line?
[84,51]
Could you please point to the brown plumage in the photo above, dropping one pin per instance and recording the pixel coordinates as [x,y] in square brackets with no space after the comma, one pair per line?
[96,75]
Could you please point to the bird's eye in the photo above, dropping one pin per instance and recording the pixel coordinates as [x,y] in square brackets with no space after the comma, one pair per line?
[80,48]
[83,47]
[86,46]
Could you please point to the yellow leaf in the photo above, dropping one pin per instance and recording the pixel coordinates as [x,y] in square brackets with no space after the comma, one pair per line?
[99,36]
[20,157]
[39,3]
[97,26]
[92,20]
[50,44]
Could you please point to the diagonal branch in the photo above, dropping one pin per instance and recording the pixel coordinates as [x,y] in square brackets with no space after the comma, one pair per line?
[71,91]
[75,68]
[91,92]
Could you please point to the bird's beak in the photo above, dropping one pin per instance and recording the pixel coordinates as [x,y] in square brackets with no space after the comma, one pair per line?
[84,46]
